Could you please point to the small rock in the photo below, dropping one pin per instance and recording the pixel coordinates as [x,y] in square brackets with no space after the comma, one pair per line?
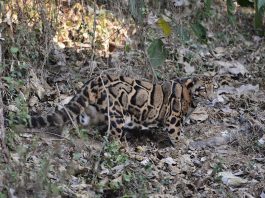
[139,158]
[203,159]
[188,68]
[12,193]
[107,155]
[12,108]
[33,101]
[261,141]
[231,67]
[105,172]
[259,159]
[197,163]
[262,195]
[145,162]
[26,135]
[231,180]
[169,161]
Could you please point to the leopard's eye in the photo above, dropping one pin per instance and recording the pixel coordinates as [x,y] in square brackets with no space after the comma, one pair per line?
[215,86]
[201,88]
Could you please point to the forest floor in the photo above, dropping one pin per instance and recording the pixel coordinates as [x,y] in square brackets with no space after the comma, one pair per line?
[224,154]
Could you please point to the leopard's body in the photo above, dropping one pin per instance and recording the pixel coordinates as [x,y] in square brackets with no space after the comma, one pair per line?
[126,103]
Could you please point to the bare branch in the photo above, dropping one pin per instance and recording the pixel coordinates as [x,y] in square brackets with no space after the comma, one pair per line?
[2,127]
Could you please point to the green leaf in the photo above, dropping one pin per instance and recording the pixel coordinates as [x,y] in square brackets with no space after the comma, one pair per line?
[164,26]
[127,48]
[199,30]
[260,4]
[182,33]
[127,177]
[2,195]
[157,53]
[230,10]
[136,8]
[259,14]
[14,50]
[8,79]
[77,156]
[245,3]
[207,7]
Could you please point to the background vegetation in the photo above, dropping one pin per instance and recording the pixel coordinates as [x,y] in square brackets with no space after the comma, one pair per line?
[50,48]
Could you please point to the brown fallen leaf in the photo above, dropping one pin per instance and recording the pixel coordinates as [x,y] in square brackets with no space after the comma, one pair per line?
[199,114]
[230,179]
[231,67]
[36,85]
[219,52]
[188,68]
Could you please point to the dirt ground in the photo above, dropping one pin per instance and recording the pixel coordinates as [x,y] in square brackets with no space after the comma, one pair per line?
[223,149]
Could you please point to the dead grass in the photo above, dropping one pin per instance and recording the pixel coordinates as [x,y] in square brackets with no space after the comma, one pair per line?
[58,50]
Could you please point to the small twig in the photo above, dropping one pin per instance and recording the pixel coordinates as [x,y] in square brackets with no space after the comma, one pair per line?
[2,128]
[47,33]
[108,131]
[94,33]
[50,133]
[147,61]
[66,110]
[114,32]
[155,80]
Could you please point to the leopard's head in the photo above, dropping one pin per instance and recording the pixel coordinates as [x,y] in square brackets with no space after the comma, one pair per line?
[197,89]
[203,86]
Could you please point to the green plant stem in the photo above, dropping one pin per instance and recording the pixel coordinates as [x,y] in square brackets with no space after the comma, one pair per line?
[258,21]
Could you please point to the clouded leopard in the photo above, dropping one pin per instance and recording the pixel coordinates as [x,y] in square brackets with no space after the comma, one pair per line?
[126,103]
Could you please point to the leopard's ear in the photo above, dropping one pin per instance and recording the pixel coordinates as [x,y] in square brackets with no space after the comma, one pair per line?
[189,83]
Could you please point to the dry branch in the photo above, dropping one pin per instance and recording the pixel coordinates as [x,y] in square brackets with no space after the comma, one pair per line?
[2,127]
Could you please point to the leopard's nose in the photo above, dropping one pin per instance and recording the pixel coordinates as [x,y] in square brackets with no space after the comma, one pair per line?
[211,97]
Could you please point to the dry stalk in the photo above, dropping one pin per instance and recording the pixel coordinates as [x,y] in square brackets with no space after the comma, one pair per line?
[66,110]
[94,33]
[108,131]
[49,133]
[2,127]
[2,130]
[155,80]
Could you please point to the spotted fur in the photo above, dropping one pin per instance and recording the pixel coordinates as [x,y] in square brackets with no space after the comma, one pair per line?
[127,103]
